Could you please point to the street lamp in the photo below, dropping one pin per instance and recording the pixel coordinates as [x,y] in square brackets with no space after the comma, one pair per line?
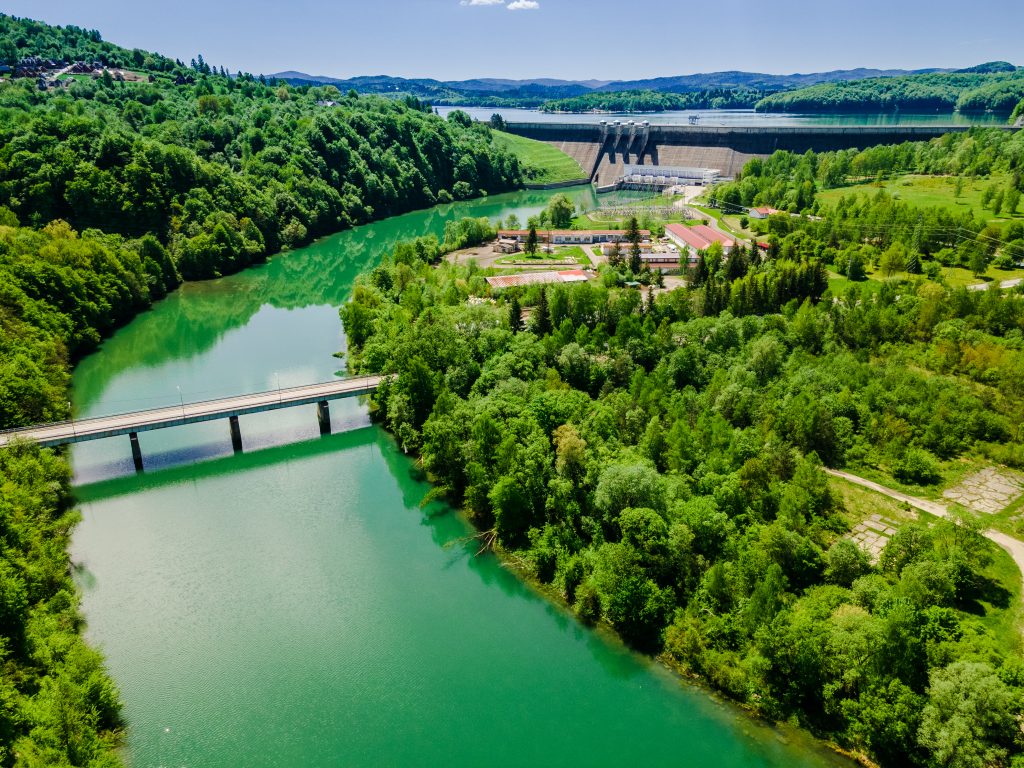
[181,400]
[71,415]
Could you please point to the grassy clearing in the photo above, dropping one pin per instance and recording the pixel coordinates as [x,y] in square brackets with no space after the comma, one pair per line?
[860,503]
[722,219]
[954,277]
[998,609]
[937,191]
[958,276]
[569,253]
[839,284]
[733,223]
[542,163]
[1002,616]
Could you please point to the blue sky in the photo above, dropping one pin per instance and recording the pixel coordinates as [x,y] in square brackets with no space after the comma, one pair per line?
[573,39]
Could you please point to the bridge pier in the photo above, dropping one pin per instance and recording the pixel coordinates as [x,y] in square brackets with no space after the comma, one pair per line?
[136,450]
[323,417]
[236,434]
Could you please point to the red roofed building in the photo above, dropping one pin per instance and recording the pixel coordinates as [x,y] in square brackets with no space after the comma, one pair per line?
[537,278]
[763,212]
[697,238]
[571,236]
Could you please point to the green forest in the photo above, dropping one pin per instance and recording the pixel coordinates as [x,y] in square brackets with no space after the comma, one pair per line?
[789,181]
[656,461]
[656,101]
[659,466]
[968,92]
[112,191]
[223,170]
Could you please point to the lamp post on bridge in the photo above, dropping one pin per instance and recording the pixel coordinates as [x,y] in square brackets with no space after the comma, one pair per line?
[181,400]
[71,415]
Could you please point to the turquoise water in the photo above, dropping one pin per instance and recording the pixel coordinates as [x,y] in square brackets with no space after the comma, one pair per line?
[731,117]
[295,606]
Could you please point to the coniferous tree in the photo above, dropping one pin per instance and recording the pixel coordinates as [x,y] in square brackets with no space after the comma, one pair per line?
[700,271]
[633,236]
[542,316]
[615,255]
[531,241]
[515,314]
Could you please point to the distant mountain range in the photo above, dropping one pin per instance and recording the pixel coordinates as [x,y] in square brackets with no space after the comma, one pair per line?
[535,91]
[556,88]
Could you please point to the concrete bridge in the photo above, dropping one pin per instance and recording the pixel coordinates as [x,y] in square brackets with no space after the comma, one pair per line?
[80,430]
[604,149]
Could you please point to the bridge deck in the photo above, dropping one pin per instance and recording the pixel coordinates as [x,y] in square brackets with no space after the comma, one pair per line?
[78,431]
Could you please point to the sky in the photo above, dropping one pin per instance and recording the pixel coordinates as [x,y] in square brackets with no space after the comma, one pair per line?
[569,39]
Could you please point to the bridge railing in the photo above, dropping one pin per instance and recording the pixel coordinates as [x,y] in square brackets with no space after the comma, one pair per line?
[283,392]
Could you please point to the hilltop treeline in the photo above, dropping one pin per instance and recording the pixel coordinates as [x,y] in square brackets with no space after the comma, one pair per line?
[24,37]
[226,170]
[658,463]
[656,101]
[972,92]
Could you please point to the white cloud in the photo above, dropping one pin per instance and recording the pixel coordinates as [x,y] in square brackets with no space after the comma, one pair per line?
[482,2]
[523,5]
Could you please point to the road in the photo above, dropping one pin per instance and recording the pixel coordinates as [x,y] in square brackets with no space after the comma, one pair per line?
[1003,284]
[64,432]
[1013,546]
[715,225]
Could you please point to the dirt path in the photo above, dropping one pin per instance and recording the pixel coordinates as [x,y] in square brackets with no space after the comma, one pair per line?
[1013,546]
[1002,284]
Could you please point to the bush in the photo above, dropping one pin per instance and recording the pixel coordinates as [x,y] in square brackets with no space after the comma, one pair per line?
[917,466]
[588,604]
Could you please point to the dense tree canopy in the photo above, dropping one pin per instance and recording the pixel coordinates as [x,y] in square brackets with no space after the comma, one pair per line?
[223,170]
[940,91]
[656,101]
[658,462]
[111,192]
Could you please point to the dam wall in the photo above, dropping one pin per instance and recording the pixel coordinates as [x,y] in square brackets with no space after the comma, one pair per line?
[604,149]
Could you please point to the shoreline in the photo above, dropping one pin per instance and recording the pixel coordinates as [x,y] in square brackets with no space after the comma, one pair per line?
[553,596]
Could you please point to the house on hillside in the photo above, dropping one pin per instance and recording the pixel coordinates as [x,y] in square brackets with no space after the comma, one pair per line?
[763,212]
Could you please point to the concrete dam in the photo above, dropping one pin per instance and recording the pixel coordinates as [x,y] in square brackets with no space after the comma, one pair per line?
[604,149]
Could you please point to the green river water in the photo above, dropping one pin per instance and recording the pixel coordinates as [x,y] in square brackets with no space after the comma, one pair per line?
[294,606]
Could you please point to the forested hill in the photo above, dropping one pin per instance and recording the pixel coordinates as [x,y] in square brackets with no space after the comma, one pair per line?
[116,181]
[222,170]
[655,101]
[977,90]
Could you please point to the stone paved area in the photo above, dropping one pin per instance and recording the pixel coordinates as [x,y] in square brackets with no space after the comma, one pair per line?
[989,491]
[873,534]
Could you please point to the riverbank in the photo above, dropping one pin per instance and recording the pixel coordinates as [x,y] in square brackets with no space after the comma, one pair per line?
[784,732]
[294,604]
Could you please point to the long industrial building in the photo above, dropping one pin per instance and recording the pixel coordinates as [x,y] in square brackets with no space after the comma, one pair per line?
[663,176]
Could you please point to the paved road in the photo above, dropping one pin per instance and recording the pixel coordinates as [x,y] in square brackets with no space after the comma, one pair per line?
[77,431]
[1013,546]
